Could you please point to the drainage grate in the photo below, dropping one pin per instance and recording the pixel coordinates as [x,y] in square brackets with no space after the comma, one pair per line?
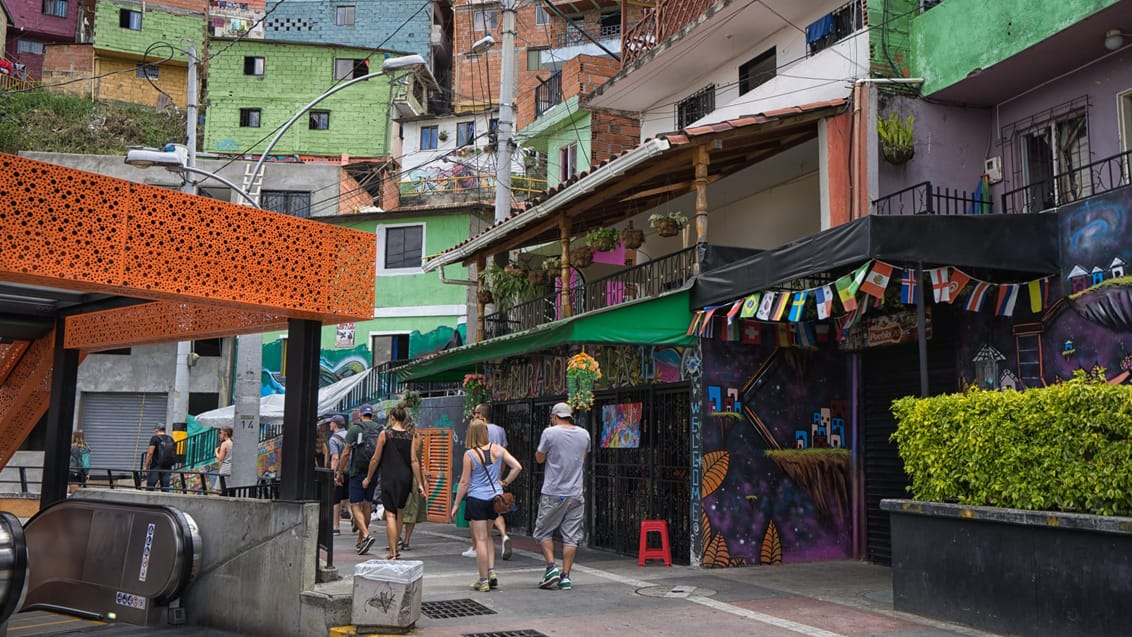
[507,633]
[449,608]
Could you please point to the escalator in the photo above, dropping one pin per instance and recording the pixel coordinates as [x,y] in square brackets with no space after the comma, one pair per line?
[99,561]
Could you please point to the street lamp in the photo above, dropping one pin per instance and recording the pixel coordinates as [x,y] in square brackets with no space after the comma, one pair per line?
[174,158]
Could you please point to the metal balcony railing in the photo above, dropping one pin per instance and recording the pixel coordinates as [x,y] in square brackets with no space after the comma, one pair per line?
[649,279]
[1072,185]
[548,93]
[574,36]
[927,199]
[522,187]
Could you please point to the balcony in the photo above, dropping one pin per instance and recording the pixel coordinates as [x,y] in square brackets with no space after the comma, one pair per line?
[647,280]
[576,37]
[834,27]
[548,94]
[659,23]
[465,188]
[1072,185]
[928,199]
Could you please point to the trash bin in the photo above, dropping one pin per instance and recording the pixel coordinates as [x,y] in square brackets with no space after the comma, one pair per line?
[460,521]
[387,593]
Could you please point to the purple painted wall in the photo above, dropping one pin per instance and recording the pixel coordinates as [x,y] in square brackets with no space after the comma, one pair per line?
[791,505]
[29,22]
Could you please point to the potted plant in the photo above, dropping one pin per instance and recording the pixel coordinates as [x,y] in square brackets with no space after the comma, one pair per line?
[552,265]
[442,135]
[484,295]
[581,256]
[537,276]
[896,138]
[602,239]
[1005,482]
[475,392]
[509,285]
[668,224]
[633,238]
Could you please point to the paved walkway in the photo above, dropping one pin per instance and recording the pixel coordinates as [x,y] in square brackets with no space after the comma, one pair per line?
[612,595]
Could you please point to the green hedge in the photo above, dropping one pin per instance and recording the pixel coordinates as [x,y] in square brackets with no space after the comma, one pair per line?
[1067,447]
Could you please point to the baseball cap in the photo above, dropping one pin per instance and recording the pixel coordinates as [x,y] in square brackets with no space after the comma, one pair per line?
[366,409]
[338,420]
[562,410]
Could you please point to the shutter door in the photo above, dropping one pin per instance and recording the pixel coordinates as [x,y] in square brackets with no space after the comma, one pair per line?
[438,460]
[118,426]
[889,373]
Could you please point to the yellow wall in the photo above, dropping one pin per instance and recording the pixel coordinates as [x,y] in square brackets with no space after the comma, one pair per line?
[127,87]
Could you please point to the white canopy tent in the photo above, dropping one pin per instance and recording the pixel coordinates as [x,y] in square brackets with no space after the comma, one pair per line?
[271,406]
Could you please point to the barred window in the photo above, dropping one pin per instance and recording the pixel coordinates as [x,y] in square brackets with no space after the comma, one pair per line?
[695,106]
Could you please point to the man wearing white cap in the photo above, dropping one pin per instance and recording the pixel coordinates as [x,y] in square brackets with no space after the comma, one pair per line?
[562,448]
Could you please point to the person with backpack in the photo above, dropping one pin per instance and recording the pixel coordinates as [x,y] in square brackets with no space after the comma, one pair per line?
[80,459]
[337,444]
[159,458]
[361,445]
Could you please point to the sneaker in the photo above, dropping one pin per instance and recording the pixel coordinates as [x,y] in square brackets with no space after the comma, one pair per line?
[481,586]
[505,552]
[492,579]
[564,583]
[366,545]
[469,553]
[336,532]
[550,578]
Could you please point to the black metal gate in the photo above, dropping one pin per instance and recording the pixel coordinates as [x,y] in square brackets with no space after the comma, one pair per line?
[889,373]
[624,486]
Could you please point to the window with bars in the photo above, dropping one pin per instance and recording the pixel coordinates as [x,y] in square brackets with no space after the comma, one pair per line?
[695,106]
[1052,157]
[56,8]
[289,202]
[130,19]
[404,247]
[344,16]
[253,65]
[249,117]
[147,71]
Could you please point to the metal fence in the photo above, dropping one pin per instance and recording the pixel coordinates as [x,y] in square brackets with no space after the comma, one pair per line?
[548,94]
[1072,185]
[927,199]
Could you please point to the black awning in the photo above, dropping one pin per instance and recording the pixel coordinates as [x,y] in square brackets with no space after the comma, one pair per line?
[1025,243]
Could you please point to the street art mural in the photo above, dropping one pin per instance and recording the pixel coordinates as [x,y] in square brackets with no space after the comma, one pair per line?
[544,373]
[775,459]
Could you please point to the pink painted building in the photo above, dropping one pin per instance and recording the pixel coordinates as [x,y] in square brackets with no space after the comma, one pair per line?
[35,24]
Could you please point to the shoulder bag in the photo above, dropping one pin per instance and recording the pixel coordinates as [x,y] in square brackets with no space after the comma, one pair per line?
[502,501]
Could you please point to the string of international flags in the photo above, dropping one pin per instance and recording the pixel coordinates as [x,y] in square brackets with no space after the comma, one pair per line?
[873,278]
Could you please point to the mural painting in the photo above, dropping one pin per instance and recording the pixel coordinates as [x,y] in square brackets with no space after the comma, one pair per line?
[621,426]
[775,479]
[544,373]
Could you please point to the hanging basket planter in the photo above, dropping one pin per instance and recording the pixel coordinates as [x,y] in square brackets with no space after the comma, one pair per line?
[582,371]
[475,392]
[668,225]
[897,154]
[484,295]
[633,238]
[602,239]
[582,256]
[537,276]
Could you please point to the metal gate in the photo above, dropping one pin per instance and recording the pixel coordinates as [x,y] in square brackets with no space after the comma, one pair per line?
[118,425]
[651,482]
[889,373]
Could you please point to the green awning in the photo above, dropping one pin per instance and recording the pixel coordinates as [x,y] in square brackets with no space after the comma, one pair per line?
[661,320]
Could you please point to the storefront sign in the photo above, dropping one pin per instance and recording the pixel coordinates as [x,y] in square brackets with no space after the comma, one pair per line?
[887,329]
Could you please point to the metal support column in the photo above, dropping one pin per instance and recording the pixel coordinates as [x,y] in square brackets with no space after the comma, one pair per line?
[300,411]
[922,329]
[60,420]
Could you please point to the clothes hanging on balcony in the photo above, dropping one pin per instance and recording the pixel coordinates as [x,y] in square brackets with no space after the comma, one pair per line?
[819,29]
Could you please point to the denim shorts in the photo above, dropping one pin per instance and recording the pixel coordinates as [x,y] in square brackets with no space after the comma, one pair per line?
[358,495]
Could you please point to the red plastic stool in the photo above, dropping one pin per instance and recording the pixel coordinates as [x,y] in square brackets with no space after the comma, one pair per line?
[662,553]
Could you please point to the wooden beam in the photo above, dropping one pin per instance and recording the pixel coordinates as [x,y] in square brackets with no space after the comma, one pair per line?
[659,190]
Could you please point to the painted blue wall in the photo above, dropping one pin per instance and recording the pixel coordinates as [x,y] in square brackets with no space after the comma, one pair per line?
[378,24]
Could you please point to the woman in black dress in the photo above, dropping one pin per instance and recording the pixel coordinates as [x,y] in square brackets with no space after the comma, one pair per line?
[397,455]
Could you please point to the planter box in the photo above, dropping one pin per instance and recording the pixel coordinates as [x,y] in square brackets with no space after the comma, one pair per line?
[1012,571]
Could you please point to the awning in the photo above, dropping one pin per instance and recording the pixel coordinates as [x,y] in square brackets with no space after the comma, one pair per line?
[1024,243]
[661,320]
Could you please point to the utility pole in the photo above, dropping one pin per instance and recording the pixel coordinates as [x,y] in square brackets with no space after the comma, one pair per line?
[178,411]
[504,134]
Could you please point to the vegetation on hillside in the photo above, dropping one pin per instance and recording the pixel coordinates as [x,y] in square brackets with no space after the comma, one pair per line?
[43,121]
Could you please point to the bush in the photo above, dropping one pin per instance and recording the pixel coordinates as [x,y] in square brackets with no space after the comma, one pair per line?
[1061,448]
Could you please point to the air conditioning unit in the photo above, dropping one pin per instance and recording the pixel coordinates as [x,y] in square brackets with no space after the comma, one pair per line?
[992,168]
[405,100]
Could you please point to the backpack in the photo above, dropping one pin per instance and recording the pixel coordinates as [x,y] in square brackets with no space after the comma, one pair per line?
[363,451]
[80,458]
[166,453]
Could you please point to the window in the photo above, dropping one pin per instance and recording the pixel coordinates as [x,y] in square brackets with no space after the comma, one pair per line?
[289,202]
[129,19]
[611,25]
[348,69]
[399,347]
[207,347]
[568,162]
[465,133]
[29,46]
[319,120]
[147,71]
[834,27]
[344,16]
[542,16]
[534,58]
[253,66]
[404,247]
[57,8]
[249,117]
[695,106]
[1053,155]
[485,20]
[757,71]
[429,137]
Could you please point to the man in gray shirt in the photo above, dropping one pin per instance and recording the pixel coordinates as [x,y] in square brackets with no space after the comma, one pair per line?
[563,448]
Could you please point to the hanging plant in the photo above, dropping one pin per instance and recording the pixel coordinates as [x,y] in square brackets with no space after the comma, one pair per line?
[411,400]
[537,276]
[582,371]
[632,237]
[668,225]
[484,295]
[475,392]
[581,256]
[896,141]
[602,239]
[552,264]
